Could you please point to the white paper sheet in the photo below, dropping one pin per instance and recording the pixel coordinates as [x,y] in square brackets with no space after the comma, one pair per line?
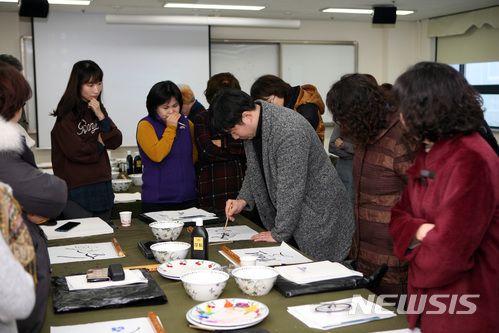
[79,282]
[315,271]
[179,215]
[360,311]
[403,330]
[142,325]
[89,226]
[232,233]
[272,256]
[82,252]
[127,197]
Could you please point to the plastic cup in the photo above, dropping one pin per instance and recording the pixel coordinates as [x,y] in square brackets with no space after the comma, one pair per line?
[126,218]
[248,260]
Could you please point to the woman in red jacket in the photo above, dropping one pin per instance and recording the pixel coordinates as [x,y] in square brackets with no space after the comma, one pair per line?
[446,225]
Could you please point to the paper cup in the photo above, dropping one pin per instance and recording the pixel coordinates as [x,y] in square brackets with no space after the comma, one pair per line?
[126,218]
[248,261]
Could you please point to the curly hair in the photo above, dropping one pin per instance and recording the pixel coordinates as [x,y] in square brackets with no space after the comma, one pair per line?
[267,85]
[14,91]
[359,106]
[436,102]
[219,82]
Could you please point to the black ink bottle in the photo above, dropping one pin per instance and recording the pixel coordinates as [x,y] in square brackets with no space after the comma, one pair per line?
[137,163]
[199,241]
[129,163]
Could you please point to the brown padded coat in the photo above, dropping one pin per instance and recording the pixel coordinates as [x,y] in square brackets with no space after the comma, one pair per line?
[379,180]
[309,94]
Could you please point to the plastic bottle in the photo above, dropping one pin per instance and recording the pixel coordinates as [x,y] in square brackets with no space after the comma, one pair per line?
[137,163]
[199,241]
[129,163]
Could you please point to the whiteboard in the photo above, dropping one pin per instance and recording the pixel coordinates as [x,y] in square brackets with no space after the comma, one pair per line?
[320,63]
[245,61]
[133,58]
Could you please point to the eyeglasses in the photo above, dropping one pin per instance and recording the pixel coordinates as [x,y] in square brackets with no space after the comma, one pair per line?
[333,307]
[270,100]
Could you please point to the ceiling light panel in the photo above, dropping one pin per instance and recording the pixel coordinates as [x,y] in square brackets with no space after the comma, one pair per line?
[361,11]
[208,6]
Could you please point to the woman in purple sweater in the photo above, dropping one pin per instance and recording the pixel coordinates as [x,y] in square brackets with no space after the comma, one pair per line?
[166,143]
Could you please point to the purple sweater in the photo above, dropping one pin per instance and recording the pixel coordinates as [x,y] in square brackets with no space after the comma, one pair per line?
[173,180]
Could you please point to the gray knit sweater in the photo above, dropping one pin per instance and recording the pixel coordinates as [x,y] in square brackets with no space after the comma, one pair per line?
[305,198]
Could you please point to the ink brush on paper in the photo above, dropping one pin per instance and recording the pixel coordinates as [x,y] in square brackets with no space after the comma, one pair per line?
[158,328]
[117,247]
[231,255]
[226,221]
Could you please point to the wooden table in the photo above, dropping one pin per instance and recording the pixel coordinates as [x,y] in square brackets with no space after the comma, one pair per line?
[172,314]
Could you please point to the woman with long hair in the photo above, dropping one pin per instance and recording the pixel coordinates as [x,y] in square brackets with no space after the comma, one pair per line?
[81,134]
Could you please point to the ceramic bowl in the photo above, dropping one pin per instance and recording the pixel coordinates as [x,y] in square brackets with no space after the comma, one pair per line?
[114,174]
[166,230]
[204,285]
[136,178]
[121,185]
[255,280]
[168,251]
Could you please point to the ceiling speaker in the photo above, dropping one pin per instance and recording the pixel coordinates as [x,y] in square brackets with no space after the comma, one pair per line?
[384,15]
[33,8]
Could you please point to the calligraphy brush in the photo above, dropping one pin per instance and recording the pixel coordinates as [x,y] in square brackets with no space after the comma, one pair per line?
[226,221]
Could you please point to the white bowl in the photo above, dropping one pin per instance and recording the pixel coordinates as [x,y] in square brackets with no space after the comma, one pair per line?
[166,230]
[121,185]
[255,280]
[204,285]
[114,174]
[137,179]
[169,251]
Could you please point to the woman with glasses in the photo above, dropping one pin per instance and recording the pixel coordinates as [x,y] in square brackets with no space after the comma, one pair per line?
[305,99]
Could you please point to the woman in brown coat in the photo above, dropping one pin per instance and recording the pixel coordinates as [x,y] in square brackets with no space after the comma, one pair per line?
[381,157]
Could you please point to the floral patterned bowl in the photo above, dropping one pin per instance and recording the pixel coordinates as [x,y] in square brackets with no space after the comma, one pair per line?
[255,280]
[204,285]
[121,185]
[169,251]
[166,230]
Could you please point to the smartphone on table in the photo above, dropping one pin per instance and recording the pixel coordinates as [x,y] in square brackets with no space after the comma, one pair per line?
[67,226]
